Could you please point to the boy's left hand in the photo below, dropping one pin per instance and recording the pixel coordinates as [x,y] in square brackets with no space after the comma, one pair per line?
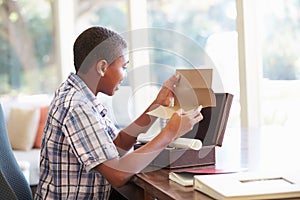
[165,96]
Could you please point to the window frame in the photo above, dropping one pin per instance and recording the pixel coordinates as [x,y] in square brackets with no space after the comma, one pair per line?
[250,63]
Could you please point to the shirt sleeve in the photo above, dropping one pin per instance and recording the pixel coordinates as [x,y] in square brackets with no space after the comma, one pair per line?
[90,136]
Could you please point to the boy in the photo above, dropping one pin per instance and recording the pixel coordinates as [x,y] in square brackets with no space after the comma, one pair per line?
[83,153]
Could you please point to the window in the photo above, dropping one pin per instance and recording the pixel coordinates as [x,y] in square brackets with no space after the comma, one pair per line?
[281,62]
[195,34]
[27,59]
[270,81]
[28,51]
[111,14]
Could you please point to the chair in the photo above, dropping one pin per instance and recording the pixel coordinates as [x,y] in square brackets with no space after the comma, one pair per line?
[12,180]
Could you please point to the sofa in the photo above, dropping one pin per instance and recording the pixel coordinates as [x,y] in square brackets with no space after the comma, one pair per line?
[25,117]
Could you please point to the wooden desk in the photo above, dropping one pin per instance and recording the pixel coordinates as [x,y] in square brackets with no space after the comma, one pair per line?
[156,185]
[234,153]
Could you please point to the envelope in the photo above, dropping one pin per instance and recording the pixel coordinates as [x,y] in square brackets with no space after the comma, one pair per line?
[194,89]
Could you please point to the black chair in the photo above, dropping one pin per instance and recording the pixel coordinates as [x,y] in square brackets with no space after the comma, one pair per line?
[13,184]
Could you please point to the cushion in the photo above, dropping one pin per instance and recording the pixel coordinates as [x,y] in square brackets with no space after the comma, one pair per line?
[22,127]
[40,130]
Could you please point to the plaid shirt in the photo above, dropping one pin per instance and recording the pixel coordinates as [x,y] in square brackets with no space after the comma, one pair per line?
[77,137]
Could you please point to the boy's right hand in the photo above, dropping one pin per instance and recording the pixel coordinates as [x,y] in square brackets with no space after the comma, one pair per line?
[182,122]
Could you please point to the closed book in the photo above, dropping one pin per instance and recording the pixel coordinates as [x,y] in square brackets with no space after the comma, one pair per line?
[182,178]
[186,177]
[249,185]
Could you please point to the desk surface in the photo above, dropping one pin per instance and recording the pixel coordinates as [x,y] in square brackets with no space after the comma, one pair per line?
[234,153]
[156,185]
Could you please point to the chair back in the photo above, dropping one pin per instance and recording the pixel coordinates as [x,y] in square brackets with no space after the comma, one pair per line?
[10,170]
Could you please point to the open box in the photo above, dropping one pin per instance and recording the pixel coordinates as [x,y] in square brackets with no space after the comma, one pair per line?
[210,131]
[194,89]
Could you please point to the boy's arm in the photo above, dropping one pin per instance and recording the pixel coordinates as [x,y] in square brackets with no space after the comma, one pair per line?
[127,137]
[119,171]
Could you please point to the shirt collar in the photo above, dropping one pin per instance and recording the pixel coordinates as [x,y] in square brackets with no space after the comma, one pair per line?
[80,86]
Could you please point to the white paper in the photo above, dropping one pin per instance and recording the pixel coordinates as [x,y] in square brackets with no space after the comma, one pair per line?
[162,112]
[182,143]
[166,112]
[186,143]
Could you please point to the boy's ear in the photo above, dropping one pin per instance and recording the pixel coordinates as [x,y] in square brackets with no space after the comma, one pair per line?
[101,67]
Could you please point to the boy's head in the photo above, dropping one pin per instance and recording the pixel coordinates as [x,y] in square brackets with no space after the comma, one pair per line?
[94,44]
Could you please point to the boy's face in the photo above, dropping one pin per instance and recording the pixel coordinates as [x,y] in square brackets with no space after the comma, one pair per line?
[114,75]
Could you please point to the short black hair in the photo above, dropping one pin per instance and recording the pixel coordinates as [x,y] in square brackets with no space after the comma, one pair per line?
[94,44]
